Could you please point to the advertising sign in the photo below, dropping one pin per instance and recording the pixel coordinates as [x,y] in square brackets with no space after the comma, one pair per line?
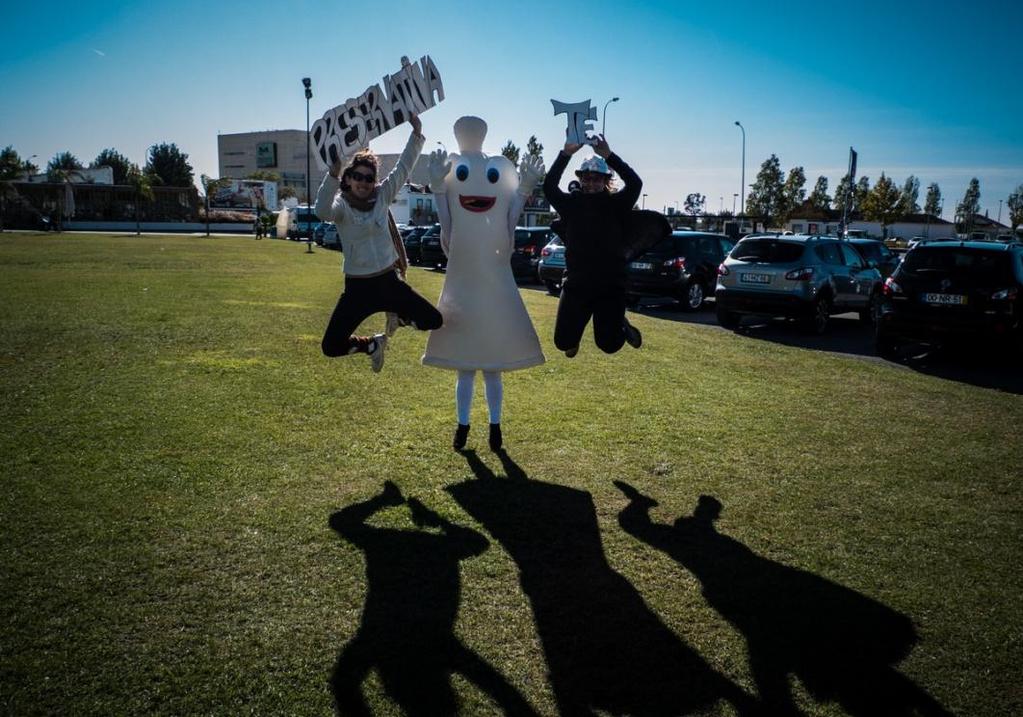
[245,195]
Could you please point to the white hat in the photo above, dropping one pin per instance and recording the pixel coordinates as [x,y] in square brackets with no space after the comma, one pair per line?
[594,164]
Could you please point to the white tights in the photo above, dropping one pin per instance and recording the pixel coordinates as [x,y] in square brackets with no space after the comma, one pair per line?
[463,394]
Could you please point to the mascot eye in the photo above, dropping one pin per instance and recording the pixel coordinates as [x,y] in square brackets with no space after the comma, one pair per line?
[493,175]
[462,172]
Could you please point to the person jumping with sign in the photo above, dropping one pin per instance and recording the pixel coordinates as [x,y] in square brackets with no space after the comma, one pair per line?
[374,256]
[596,226]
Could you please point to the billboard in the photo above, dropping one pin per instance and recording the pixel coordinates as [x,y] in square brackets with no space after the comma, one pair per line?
[245,194]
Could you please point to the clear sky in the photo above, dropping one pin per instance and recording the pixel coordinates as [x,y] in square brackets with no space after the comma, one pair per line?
[916,87]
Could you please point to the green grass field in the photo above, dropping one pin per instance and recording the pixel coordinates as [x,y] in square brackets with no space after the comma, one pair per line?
[175,445]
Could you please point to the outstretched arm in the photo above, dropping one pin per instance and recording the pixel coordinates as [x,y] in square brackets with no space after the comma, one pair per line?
[394,181]
[467,542]
[550,185]
[439,166]
[350,521]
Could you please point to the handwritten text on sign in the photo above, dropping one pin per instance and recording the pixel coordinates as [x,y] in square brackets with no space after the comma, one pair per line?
[349,127]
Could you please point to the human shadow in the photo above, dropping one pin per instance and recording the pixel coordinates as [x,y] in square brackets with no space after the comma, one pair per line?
[842,645]
[605,648]
[407,630]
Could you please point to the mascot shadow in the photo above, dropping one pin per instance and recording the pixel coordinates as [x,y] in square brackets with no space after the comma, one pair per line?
[842,645]
[605,649]
[407,631]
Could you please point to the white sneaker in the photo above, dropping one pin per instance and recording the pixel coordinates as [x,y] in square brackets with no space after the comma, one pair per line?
[376,356]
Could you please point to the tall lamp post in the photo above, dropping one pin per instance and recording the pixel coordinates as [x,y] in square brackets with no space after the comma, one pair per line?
[644,201]
[742,186]
[308,84]
[603,123]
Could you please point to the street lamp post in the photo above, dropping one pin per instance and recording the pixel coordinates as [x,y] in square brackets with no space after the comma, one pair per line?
[308,84]
[742,186]
[644,201]
[999,211]
[603,123]
[735,196]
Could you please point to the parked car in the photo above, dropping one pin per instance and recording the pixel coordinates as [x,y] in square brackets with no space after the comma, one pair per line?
[877,255]
[804,277]
[551,267]
[430,250]
[529,243]
[682,267]
[413,239]
[325,234]
[949,290]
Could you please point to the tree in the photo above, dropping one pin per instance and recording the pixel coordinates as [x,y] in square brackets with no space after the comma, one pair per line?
[265,175]
[533,147]
[765,197]
[12,166]
[62,167]
[883,203]
[970,205]
[860,195]
[694,203]
[845,198]
[932,205]
[142,185]
[511,152]
[793,192]
[286,193]
[1016,208]
[819,198]
[910,193]
[168,166]
[116,161]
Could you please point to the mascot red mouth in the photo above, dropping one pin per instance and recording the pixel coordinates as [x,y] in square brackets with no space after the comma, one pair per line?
[476,204]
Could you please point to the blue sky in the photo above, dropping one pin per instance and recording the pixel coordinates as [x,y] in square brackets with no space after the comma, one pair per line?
[917,88]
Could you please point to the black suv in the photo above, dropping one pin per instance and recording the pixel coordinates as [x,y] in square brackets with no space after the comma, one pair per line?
[529,242]
[948,290]
[683,267]
[430,252]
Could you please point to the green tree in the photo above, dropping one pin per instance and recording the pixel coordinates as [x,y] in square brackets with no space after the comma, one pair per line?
[909,195]
[512,152]
[819,198]
[793,192]
[694,203]
[533,147]
[970,205]
[932,205]
[860,195]
[286,193]
[882,203]
[168,166]
[265,175]
[12,166]
[142,185]
[1016,208]
[765,197]
[116,161]
[62,167]
[845,198]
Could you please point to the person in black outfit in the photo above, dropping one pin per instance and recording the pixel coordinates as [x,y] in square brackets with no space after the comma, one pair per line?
[596,222]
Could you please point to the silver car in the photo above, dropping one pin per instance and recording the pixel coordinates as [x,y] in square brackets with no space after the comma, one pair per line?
[804,277]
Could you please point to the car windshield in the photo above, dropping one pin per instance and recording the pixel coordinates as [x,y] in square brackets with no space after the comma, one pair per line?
[767,251]
[981,265]
[870,251]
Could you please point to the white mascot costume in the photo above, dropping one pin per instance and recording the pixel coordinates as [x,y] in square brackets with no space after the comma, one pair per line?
[486,327]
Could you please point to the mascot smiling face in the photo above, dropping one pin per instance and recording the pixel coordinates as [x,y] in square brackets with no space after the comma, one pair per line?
[478,184]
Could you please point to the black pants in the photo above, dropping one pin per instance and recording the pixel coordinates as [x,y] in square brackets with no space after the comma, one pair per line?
[599,298]
[363,297]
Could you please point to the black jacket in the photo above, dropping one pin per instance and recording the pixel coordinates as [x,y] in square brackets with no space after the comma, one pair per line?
[595,225]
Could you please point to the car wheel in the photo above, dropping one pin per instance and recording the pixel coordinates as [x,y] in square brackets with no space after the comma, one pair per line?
[552,288]
[869,314]
[694,296]
[728,319]
[820,315]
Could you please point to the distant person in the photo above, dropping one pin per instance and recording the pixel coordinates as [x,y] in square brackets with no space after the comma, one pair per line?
[596,225]
[374,255]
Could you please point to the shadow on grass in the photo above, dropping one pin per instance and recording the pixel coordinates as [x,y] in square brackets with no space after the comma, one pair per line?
[840,644]
[605,649]
[407,630]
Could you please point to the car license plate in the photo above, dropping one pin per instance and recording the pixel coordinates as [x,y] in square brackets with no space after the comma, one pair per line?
[645,266]
[755,278]
[945,299]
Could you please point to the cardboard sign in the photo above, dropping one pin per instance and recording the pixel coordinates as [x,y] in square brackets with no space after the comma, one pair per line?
[579,114]
[347,128]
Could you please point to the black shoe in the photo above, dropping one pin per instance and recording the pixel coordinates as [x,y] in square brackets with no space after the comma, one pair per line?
[495,437]
[461,435]
[572,352]
[632,336]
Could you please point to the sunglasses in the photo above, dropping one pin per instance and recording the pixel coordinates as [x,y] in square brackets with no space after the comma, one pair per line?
[360,177]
